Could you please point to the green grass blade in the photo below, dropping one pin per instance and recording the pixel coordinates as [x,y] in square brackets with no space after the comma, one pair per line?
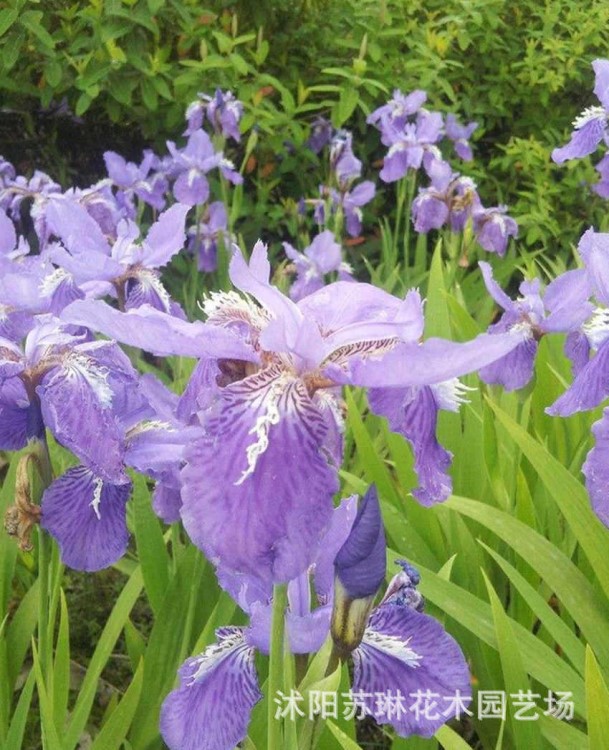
[597,702]
[116,728]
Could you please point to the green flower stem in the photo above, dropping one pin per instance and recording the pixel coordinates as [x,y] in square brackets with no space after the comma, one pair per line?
[275,681]
[411,181]
[40,478]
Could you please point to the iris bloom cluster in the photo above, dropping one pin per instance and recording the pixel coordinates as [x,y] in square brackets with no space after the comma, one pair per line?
[248,456]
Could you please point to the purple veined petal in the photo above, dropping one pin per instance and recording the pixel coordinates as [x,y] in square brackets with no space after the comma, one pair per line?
[14,415]
[248,591]
[349,313]
[11,359]
[493,288]
[566,300]
[362,193]
[514,370]
[431,362]
[577,349]
[8,235]
[325,252]
[155,448]
[594,250]
[596,469]
[200,390]
[77,407]
[413,413]
[257,488]
[584,139]
[87,517]
[61,290]
[158,332]
[79,232]
[601,83]
[145,287]
[163,401]
[589,388]
[404,654]
[211,708]
[288,330]
[429,212]
[306,633]
[117,169]
[396,163]
[166,501]
[91,266]
[336,535]
[191,188]
[166,236]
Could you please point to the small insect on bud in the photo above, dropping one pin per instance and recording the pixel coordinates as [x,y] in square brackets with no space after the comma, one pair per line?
[359,569]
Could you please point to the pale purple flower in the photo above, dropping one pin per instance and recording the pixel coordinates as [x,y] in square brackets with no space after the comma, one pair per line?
[203,240]
[602,186]
[321,134]
[394,115]
[128,264]
[223,112]
[191,165]
[590,127]
[562,308]
[323,256]
[460,135]
[343,162]
[137,180]
[450,199]
[493,228]
[258,484]
[412,146]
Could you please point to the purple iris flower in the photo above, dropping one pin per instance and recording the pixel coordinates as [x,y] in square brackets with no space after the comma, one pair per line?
[223,111]
[459,135]
[412,146]
[402,652]
[203,240]
[590,128]
[343,162]
[128,265]
[563,308]
[493,228]
[321,257]
[321,134]
[86,513]
[394,115]
[450,199]
[192,163]
[137,180]
[266,465]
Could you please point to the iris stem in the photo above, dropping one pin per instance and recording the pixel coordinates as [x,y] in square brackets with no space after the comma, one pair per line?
[275,682]
[40,478]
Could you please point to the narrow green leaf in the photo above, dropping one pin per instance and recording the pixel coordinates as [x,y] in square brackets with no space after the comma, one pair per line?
[345,741]
[105,645]
[151,549]
[526,733]
[14,738]
[61,667]
[569,494]
[115,729]
[49,731]
[597,703]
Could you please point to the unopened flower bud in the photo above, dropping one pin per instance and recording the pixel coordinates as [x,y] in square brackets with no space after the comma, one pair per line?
[359,571]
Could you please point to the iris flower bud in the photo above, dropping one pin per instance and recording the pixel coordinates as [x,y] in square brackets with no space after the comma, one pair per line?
[359,570]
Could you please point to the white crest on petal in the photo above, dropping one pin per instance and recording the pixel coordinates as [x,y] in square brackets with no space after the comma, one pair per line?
[591,113]
[271,416]
[215,653]
[50,283]
[394,646]
[596,328]
[450,394]
[77,365]
[151,282]
[97,497]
